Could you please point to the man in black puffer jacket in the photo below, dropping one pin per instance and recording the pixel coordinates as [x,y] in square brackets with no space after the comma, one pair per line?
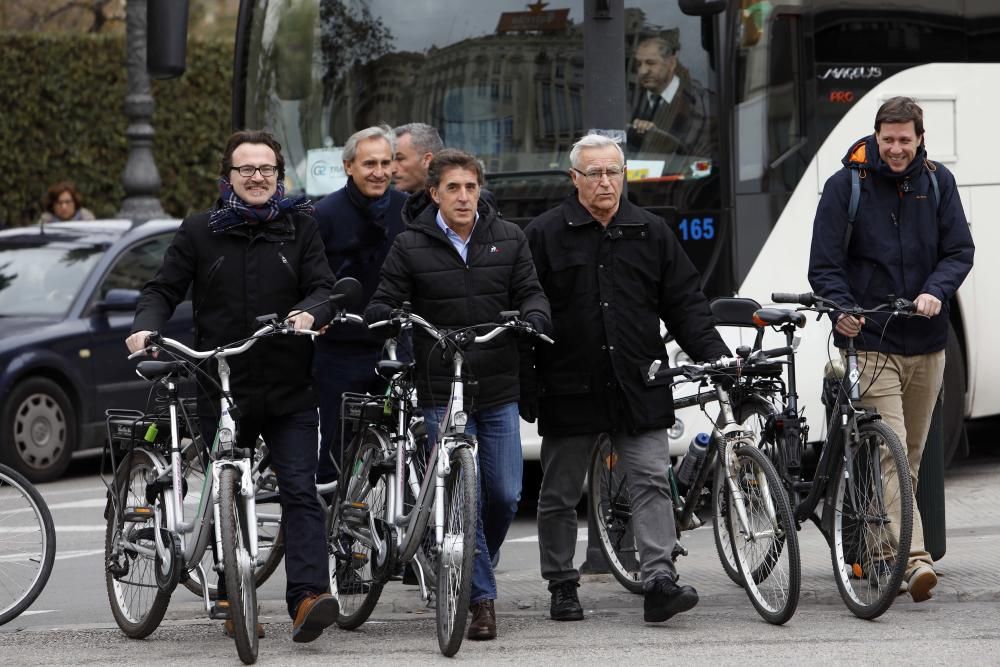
[259,252]
[459,264]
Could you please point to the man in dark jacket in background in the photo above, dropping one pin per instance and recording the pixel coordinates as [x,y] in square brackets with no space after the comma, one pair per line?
[358,224]
[459,264]
[256,253]
[612,272]
[909,240]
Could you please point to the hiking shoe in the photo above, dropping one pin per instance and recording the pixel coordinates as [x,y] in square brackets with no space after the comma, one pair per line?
[565,604]
[314,614]
[920,583]
[664,599]
[484,620]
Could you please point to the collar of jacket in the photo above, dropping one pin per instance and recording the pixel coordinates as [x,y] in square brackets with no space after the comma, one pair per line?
[577,216]
[280,229]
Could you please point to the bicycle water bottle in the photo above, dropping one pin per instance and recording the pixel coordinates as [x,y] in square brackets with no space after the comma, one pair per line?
[687,472]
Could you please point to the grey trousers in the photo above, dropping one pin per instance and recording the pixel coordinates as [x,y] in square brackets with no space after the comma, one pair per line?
[565,461]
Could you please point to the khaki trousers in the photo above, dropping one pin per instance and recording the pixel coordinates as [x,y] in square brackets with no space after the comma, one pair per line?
[904,390]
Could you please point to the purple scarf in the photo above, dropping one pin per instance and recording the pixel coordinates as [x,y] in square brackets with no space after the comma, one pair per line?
[233,211]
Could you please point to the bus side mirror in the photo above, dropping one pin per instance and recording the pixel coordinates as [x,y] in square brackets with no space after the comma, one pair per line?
[702,7]
[166,37]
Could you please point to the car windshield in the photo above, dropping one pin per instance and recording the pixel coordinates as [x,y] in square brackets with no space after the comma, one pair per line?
[43,280]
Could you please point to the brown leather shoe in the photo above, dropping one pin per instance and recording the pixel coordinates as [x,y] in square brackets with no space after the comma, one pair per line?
[314,614]
[228,628]
[484,621]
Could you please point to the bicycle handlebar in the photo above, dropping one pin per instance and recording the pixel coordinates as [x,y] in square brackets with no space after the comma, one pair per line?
[402,316]
[697,371]
[155,339]
[810,301]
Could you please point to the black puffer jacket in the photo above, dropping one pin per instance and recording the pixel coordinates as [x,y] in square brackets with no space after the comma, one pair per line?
[425,269]
[609,289]
[236,277]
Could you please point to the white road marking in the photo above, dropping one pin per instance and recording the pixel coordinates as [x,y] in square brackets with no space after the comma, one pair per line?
[33,612]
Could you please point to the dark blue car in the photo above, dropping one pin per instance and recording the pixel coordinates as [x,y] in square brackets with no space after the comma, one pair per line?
[67,297]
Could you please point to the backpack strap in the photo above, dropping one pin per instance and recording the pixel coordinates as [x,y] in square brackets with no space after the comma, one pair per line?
[931,171]
[852,206]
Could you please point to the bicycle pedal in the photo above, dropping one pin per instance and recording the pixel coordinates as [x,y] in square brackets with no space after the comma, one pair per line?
[138,514]
[219,611]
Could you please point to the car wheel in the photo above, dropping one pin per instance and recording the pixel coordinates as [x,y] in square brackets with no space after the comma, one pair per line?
[38,430]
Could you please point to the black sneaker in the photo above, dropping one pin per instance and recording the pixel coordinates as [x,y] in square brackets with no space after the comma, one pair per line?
[565,603]
[664,598]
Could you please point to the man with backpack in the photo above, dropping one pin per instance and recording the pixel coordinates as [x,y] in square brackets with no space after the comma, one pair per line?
[891,224]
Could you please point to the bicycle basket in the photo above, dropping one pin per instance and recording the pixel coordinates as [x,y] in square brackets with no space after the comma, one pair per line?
[365,408]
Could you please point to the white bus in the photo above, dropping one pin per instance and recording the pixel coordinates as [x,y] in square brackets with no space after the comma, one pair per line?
[786,86]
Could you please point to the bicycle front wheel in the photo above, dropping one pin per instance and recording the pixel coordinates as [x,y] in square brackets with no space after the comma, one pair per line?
[137,601]
[762,531]
[872,520]
[356,575]
[27,544]
[455,560]
[609,502]
[238,565]
[752,415]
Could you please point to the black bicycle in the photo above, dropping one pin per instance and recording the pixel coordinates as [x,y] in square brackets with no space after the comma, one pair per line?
[862,475]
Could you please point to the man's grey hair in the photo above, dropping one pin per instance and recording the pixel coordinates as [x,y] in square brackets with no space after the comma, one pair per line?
[423,137]
[374,132]
[593,141]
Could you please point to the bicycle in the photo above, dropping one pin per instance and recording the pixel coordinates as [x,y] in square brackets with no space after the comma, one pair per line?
[372,532]
[27,544]
[862,472]
[149,546]
[757,514]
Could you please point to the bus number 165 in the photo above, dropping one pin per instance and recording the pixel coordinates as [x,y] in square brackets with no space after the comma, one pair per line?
[697,229]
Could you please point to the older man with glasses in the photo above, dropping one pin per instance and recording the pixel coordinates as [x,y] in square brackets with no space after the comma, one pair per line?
[612,272]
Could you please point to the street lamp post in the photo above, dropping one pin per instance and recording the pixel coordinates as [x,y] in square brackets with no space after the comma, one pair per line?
[141,179]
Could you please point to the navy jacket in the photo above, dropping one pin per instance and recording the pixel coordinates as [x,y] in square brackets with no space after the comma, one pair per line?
[426,270]
[357,234]
[901,245]
[609,289]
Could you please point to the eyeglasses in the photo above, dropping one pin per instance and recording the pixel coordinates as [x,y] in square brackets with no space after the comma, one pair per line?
[248,170]
[595,176]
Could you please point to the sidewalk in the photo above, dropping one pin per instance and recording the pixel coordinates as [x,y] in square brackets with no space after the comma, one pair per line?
[968,571]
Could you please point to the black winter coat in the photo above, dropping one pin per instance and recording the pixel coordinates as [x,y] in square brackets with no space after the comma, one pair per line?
[609,289]
[425,269]
[237,276]
[899,246]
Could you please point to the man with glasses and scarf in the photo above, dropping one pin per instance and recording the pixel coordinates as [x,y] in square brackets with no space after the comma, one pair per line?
[259,252]
[612,272]
[358,224]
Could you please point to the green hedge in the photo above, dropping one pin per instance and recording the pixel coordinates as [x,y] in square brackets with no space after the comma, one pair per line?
[65,119]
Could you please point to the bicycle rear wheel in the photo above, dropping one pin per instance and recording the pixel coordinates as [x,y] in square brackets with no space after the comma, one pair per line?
[765,543]
[752,415]
[872,501]
[355,573]
[27,544]
[610,504]
[238,565]
[137,601]
[455,560]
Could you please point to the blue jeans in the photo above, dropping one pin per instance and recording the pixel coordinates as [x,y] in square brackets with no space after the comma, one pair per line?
[498,433]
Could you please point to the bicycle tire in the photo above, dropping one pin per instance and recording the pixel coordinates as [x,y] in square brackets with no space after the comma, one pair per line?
[356,578]
[137,603]
[237,566]
[455,560]
[29,533]
[768,555]
[754,410]
[867,588]
[608,500]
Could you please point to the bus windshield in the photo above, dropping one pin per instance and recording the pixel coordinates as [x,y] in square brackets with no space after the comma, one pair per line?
[503,80]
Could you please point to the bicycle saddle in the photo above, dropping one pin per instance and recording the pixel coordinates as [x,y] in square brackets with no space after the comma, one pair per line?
[776,316]
[387,368]
[152,370]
